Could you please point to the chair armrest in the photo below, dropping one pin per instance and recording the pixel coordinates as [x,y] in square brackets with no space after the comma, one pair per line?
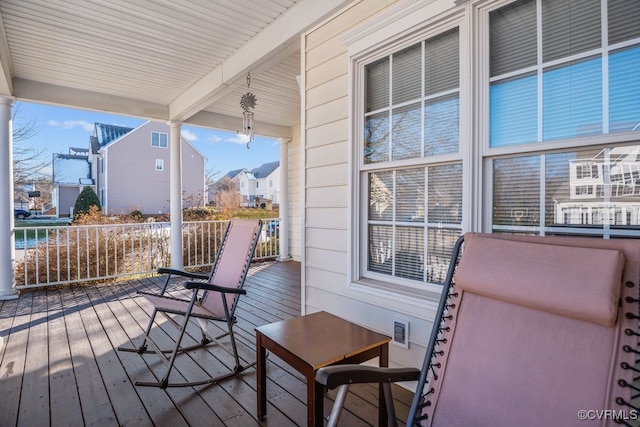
[211,287]
[183,273]
[336,375]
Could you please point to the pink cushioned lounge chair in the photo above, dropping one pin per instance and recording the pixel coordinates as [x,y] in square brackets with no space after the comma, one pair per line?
[214,297]
[532,331]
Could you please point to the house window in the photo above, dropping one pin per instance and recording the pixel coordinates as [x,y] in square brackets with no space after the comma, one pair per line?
[270,184]
[410,163]
[563,75]
[561,70]
[159,139]
[159,164]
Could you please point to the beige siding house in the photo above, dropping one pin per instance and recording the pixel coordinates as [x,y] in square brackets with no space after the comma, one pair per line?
[426,119]
[132,169]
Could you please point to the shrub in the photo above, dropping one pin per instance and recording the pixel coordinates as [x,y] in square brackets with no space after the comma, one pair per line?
[136,215]
[86,199]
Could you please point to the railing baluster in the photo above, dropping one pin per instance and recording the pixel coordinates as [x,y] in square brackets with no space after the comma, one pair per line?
[118,250]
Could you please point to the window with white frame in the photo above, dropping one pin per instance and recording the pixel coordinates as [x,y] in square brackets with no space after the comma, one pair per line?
[410,163]
[159,164]
[159,139]
[541,98]
[564,95]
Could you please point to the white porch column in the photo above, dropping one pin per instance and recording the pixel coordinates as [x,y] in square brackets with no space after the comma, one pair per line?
[284,200]
[175,194]
[7,225]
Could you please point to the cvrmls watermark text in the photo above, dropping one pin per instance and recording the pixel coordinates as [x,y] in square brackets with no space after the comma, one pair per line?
[608,414]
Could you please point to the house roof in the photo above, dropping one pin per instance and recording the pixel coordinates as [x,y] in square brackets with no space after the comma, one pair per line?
[265,169]
[232,174]
[107,133]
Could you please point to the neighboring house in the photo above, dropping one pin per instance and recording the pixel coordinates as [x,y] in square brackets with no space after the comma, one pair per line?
[267,178]
[129,170]
[71,173]
[255,186]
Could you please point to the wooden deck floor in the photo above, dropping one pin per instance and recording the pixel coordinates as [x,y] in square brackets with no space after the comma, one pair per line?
[59,366]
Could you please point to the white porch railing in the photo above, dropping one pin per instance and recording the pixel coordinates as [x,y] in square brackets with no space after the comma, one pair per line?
[56,255]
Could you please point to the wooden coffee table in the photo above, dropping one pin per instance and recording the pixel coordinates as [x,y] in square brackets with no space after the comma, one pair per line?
[308,343]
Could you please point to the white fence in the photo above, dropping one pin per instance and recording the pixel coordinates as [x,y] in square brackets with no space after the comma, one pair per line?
[55,255]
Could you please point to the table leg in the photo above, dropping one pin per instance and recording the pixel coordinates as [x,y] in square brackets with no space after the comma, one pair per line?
[261,374]
[317,410]
[382,407]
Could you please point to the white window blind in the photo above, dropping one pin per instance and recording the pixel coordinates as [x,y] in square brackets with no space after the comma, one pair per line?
[568,65]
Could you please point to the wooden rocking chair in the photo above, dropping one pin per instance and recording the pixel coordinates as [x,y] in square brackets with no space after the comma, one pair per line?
[214,298]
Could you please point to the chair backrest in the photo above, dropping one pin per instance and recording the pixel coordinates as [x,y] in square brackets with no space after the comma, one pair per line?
[232,262]
[535,330]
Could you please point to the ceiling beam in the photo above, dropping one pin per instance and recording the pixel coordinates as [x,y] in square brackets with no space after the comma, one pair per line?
[223,122]
[32,91]
[274,40]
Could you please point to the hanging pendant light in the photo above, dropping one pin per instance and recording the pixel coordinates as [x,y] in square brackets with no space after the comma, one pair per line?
[248,102]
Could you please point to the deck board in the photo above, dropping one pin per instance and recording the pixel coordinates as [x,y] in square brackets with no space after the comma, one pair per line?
[59,365]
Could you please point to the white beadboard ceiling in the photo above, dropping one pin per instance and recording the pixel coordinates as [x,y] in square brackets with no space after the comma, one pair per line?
[183,60]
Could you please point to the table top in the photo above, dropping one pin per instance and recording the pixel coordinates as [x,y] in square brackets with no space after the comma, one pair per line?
[322,339]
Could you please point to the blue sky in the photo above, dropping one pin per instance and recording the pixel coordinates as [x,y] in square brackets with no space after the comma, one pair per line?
[60,128]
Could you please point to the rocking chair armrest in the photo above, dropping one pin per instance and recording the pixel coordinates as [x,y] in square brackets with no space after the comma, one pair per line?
[183,273]
[337,375]
[211,287]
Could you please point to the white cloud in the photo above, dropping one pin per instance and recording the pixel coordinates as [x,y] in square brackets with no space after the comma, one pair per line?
[214,138]
[70,124]
[189,135]
[238,138]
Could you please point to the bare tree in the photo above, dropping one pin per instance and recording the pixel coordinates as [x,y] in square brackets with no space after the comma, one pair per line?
[28,161]
[227,201]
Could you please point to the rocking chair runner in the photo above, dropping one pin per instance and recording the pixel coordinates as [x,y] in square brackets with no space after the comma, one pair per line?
[221,291]
[530,331]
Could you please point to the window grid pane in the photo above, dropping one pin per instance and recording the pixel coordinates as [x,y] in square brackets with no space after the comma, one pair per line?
[381,249]
[406,132]
[409,259]
[442,125]
[376,138]
[569,27]
[442,63]
[516,191]
[624,20]
[377,85]
[512,37]
[406,82]
[381,196]
[445,194]
[410,195]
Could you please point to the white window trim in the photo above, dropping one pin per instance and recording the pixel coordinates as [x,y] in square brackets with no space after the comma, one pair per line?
[399,27]
[159,165]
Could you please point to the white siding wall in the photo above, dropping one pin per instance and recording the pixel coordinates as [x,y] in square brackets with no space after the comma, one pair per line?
[328,195]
